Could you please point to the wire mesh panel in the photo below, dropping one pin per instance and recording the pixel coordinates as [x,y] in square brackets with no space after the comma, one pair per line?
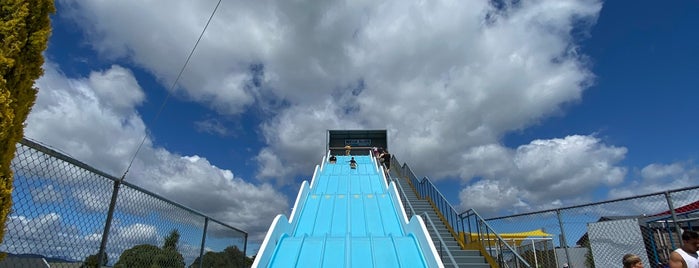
[611,240]
[686,208]
[144,223]
[538,252]
[600,234]
[584,229]
[224,247]
[60,214]
[479,234]
[59,209]
[535,235]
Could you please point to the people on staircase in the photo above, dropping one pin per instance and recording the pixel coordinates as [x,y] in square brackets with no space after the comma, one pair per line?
[332,159]
[386,157]
[348,149]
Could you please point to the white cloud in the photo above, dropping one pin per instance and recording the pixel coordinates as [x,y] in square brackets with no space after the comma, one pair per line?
[134,234]
[195,182]
[658,177]
[212,126]
[74,117]
[659,171]
[116,89]
[539,175]
[295,140]
[56,235]
[88,118]
[91,199]
[443,77]
[46,194]
[45,234]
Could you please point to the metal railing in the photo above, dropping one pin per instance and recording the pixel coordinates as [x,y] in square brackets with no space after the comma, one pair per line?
[595,234]
[457,223]
[61,209]
[405,198]
[598,234]
[442,245]
[426,190]
[489,240]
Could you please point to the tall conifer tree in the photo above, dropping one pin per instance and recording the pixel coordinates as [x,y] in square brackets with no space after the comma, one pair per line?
[24,31]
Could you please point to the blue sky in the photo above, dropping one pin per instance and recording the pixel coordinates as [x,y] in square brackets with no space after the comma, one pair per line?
[644,95]
[543,104]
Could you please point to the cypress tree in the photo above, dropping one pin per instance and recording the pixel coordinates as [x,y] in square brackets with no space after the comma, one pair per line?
[24,31]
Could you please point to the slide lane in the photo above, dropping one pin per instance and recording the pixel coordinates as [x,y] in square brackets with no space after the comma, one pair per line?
[348,220]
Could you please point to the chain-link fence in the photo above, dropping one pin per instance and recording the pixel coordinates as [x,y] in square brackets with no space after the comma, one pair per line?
[599,234]
[590,235]
[68,213]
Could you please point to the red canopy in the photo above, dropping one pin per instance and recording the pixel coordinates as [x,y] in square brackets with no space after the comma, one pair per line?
[683,209]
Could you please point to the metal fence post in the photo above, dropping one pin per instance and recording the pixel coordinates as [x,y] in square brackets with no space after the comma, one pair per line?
[245,245]
[203,242]
[108,223]
[564,242]
[674,216]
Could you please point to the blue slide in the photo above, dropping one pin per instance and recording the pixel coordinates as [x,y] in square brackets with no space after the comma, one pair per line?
[347,217]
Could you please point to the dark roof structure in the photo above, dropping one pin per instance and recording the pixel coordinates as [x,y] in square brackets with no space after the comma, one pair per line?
[336,139]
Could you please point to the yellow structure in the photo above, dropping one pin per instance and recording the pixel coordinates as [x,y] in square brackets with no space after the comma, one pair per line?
[513,239]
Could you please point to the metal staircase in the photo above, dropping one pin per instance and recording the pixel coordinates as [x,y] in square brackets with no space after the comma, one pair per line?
[413,204]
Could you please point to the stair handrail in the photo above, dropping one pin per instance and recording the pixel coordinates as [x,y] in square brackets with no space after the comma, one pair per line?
[448,212]
[441,241]
[402,191]
[425,188]
[416,225]
[412,210]
[485,243]
[453,220]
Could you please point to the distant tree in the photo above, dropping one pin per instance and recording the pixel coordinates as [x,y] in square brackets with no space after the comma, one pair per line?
[230,257]
[138,256]
[24,31]
[170,257]
[171,240]
[150,256]
[92,261]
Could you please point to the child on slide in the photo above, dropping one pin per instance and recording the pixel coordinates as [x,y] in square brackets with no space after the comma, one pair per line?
[353,163]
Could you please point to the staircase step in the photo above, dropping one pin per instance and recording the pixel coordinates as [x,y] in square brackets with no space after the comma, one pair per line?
[442,230]
[468,259]
[470,265]
[463,258]
[447,240]
[430,211]
[448,244]
[461,261]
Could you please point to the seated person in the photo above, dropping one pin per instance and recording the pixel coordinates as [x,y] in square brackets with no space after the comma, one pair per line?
[332,159]
[353,163]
